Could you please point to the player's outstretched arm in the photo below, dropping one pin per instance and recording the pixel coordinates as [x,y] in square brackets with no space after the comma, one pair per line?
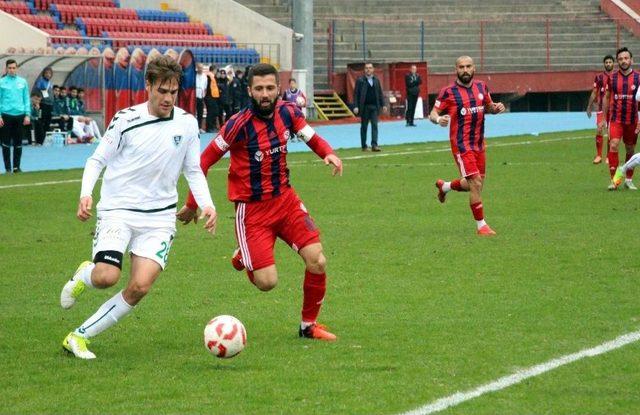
[497,108]
[605,109]
[187,214]
[441,120]
[335,162]
[592,99]
[209,213]
[84,208]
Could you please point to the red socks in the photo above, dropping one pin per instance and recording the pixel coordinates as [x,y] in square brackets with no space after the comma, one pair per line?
[315,285]
[627,156]
[476,209]
[599,145]
[455,185]
[613,162]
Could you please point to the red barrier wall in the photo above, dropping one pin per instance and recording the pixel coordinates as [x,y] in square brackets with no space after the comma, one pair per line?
[523,82]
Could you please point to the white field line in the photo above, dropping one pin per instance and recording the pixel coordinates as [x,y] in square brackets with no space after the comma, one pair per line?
[523,374]
[364,156]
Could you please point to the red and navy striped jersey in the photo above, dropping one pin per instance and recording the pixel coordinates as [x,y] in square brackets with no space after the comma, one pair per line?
[258,147]
[465,106]
[623,107]
[600,86]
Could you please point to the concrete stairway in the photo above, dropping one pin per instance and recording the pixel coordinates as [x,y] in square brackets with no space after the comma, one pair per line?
[514,34]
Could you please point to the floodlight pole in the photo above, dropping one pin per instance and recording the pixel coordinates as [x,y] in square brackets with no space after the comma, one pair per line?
[303,48]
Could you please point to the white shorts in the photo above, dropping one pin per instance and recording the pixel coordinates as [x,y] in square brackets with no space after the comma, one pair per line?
[148,235]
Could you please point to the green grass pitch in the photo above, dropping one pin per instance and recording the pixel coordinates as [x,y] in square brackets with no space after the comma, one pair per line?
[422,306]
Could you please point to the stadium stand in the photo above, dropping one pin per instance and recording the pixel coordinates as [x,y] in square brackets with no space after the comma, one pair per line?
[79,25]
[508,36]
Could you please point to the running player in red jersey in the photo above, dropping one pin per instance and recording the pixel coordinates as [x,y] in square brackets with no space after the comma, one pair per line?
[621,110]
[597,97]
[266,205]
[463,105]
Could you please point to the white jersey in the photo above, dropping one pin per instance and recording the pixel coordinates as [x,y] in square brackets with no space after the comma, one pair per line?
[144,156]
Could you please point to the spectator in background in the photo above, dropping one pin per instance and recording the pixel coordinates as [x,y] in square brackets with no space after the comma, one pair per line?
[61,108]
[15,112]
[223,87]
[412,82]
[44,85]
[82,108]
[368,102]
[36,132]
[212,100]
[201,88]
[72,101]
[236,92]
[295,95]
[233,87]
[241,98]
[83,128]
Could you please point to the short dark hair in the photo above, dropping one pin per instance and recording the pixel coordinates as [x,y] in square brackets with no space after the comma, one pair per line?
[292,79]
[368,63]
[622,50]
[212,68]
[163,68]
[263,69]
[36,94]
[608,57]
[73,88]
[9,62]
[80,90]
[56,86]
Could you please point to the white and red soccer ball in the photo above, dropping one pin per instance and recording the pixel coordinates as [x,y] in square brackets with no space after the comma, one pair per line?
[225,336]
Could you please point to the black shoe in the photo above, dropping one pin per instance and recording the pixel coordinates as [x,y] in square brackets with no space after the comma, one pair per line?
[375,148]
[17,170]
[412,125]
[365,148]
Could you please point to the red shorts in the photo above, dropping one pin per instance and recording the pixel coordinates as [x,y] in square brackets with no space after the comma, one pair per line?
[626,132]
[470,163]
[259,223]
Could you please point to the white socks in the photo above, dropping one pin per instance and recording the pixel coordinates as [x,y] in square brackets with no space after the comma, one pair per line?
[107,315]
[305,324]
[446,187]
[631,163]
[85,275]
[481,223]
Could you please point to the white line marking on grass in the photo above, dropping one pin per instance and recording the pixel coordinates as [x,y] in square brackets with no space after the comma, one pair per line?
[439,150]
[365,156]
[10,186]
[517,377]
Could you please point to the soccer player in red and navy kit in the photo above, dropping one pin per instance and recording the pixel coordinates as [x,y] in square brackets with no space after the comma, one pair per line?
[266,205]
[463,105]
[597,97]
[621,110]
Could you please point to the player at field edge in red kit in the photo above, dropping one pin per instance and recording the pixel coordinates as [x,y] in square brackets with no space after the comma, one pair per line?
[266,205]
[463,104]
[597,97]
[621,110]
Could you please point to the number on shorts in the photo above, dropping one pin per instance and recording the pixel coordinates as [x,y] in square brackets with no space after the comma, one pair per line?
[163,254]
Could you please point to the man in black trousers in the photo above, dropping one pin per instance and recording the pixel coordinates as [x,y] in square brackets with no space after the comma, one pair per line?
[368,101]
[412,81]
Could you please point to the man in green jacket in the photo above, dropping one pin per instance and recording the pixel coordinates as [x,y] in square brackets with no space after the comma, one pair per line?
[15,108]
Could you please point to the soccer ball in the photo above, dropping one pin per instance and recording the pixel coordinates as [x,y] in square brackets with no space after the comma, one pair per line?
[225,336]
[300,101]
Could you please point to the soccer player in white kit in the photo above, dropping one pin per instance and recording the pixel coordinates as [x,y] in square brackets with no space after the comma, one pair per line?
[144,150]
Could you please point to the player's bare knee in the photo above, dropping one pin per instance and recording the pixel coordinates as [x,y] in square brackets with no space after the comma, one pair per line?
[266,283]
[135,292]
[104,275]
[317,263]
